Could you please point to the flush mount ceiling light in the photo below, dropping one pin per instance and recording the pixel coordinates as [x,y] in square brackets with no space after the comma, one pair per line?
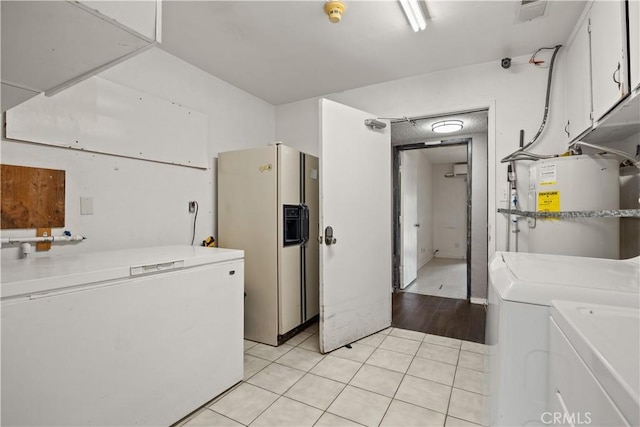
[447,126]
[414,13]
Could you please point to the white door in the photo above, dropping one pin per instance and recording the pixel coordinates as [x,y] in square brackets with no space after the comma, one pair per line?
[409,217]
[355,201]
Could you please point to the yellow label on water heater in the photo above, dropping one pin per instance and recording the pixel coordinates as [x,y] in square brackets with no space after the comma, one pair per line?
[549,201]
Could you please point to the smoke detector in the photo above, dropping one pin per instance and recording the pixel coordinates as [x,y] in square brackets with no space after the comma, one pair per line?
[334,10]
[531,9]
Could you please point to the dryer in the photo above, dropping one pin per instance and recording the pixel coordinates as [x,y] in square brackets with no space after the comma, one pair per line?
[521,288]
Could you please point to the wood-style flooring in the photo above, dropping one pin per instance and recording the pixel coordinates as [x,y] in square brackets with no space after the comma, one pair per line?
[447,317]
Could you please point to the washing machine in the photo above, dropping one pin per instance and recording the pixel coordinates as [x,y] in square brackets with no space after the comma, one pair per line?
[521,288]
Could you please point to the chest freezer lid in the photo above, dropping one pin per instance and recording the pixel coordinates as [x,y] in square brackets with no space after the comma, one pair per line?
[539,278]
[36,275]
[607,338]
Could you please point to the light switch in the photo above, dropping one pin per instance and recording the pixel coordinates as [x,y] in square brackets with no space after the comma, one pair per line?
[86,205]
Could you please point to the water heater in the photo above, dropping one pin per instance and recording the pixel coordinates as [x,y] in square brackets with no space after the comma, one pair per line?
[575,183]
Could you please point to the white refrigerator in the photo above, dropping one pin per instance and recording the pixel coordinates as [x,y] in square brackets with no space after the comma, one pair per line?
[119,338]
[268,206]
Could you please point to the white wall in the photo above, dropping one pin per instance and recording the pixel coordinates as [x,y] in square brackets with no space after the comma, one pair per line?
[140,203]
[449,213]
[425,208]
[298,125]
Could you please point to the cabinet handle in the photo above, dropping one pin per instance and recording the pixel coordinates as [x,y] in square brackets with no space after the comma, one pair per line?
[617,81]
[566,129]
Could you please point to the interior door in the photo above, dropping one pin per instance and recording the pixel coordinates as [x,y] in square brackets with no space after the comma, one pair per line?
[409,218]
[355,202]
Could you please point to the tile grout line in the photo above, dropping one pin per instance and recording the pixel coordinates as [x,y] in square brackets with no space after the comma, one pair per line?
[352,377]
[401,380]
[348,383]
[283,394]
[270,391]
[455,372]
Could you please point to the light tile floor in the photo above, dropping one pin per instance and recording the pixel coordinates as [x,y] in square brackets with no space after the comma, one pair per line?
[441,277]
[393,378]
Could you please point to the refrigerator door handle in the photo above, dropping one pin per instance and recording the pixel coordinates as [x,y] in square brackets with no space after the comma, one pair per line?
[304,224]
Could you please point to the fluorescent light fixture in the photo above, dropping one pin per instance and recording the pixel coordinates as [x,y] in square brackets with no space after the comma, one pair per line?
[414,14]
[432,143]
[447,126]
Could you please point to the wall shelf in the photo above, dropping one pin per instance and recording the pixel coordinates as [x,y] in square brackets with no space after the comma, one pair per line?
[620,213]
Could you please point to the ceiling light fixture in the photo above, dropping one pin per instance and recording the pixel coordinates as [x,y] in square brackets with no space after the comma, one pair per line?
[414,14]
[447,126]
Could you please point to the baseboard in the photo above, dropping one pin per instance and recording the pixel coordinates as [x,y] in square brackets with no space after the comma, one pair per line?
[423,263]
[482,301]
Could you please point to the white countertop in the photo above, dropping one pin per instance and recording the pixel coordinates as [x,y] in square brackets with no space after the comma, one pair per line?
[607,339]
[42,274]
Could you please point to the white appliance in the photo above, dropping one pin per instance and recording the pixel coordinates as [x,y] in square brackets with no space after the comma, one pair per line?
[268,206]
[575,183]
[522,286]
[127,337]
[594,373]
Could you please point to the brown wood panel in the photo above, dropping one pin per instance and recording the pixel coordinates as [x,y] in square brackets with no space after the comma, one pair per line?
[32,197]
[446,317]
[46,232]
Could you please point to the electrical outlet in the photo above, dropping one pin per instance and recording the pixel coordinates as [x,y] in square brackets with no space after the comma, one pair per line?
[192,207]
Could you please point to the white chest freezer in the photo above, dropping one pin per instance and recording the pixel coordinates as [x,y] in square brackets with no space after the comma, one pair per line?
[128,337]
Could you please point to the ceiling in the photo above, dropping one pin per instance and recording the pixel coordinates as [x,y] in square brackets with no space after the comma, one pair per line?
[285,51]
[417,131]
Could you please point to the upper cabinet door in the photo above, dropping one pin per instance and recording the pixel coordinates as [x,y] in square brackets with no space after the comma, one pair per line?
[578,83]
[139,16]
[608,55]
[48,46]
[634,43]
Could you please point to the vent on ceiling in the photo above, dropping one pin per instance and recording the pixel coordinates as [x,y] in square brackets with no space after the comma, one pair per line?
[531,9]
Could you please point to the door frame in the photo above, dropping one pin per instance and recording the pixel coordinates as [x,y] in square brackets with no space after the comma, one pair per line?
[397,204]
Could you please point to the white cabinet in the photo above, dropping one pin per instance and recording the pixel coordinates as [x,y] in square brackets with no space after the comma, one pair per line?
[573,391]
[48,46]
[608,55]
[578,83]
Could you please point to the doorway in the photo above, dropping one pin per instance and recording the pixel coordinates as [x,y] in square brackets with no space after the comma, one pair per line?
[435,219]
[440,224]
